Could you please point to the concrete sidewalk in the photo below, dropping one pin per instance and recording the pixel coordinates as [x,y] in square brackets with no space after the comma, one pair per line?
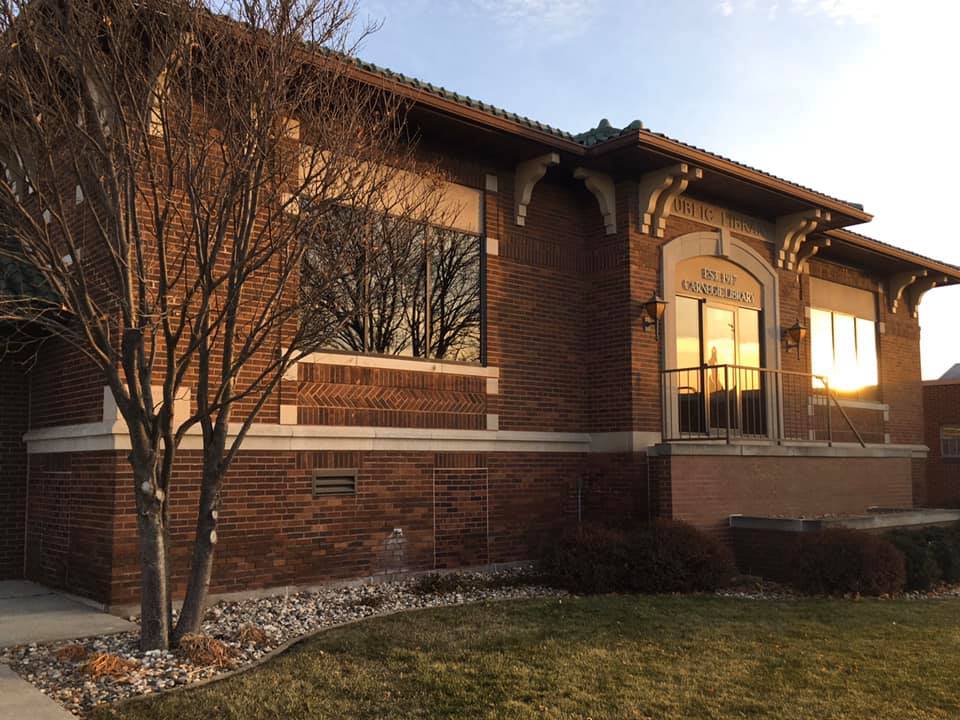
[19,700]
[31,613]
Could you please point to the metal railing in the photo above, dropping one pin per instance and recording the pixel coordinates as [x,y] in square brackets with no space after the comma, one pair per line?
[737,402]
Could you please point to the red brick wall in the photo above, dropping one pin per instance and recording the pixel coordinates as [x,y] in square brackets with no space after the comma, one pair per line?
[66,388]
[615,488]
[646,352]
[941,406]
[453,509]
[71,515]
[13,467]
[608,306]
[706,489]
[532,501]
[564,327]
[461,510]
[536,313]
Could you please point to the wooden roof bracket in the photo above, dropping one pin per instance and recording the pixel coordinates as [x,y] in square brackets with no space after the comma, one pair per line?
[792,232]
[898,283]
[919,287]
[604,190]
[808,250]
[528,174]
[658,189]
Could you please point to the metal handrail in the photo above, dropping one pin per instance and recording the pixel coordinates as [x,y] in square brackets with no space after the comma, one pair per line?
[698,405]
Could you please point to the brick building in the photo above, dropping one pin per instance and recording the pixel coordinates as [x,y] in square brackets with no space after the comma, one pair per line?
[941,410]
[661,332]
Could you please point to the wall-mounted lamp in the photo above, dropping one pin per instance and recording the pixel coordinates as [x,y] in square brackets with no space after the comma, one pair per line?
[793,336]
[654,309]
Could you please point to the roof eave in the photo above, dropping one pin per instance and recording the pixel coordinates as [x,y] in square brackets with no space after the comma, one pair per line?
[465,112]
[629,138]
[881,248]
[672,148]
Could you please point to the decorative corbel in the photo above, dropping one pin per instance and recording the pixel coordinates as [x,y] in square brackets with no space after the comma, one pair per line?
[528,174]
[657,192]
[898,283]
[808,250]
[918,288]
[604,190]
[792,231]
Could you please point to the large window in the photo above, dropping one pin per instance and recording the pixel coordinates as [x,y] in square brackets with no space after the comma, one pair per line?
[391,287]
[843,349]
[950,441]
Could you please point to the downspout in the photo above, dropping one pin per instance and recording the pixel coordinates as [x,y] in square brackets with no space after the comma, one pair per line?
[26,494]
[579,501]
[646,462]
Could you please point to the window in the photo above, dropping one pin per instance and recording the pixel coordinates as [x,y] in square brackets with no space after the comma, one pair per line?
[389,287]
[843,349]
[950,441]
[688,332]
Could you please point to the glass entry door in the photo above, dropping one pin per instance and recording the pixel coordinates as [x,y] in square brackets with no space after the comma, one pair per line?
[720,386]
[719,343]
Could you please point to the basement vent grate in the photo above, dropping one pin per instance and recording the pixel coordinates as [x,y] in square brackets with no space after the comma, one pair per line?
[334,482]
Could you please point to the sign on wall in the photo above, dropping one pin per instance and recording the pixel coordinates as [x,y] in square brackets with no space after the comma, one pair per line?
[714,216]
[717,279]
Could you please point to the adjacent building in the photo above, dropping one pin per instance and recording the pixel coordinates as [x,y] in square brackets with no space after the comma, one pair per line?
[941,408]
[651,330]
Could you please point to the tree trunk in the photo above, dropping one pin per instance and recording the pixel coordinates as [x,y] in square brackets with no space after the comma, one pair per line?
[201,562]
[154,588]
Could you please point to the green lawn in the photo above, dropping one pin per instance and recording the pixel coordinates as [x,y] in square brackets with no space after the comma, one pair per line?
[607,657]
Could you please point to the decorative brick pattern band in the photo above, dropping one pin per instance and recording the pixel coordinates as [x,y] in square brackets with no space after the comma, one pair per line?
[339,395]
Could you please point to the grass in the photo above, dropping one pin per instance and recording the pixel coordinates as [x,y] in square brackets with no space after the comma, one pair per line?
[605,657]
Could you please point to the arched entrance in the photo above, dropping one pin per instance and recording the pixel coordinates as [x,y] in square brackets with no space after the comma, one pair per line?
[720,332]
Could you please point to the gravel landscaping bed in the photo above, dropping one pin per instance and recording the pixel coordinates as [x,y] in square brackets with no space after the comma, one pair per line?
[937,593]
[757,589]
[72,673]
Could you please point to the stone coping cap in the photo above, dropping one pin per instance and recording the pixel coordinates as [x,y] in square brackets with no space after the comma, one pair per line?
[873,518]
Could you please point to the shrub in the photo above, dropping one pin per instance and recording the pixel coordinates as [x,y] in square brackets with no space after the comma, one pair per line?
[945,543]
[592,560]
[922,566]
[665,557]
[932,554]
[840,561]
[681,558]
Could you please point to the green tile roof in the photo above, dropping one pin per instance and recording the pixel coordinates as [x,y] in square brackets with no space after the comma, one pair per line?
[465,100]
[603,132]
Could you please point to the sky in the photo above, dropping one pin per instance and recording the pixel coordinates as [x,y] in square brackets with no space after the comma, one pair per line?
[858,99]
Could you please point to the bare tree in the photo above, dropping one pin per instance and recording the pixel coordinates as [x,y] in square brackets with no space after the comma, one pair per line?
[454,275]
[175,171]
[416,294]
